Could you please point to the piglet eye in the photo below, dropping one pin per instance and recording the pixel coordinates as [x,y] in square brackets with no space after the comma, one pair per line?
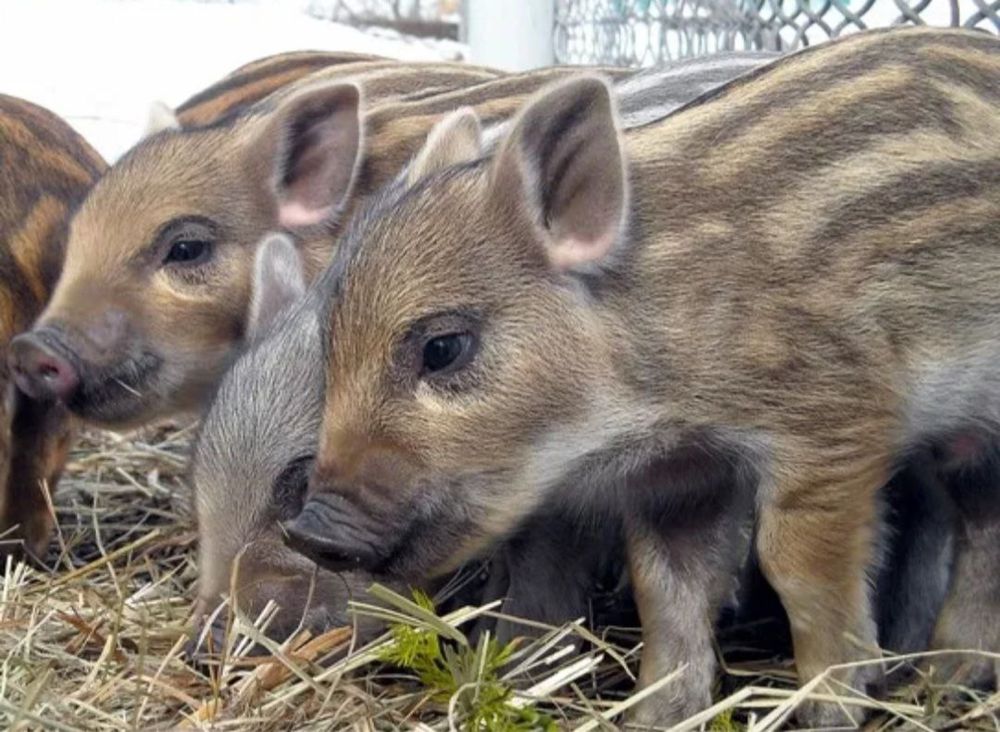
[447,352]
[188,251]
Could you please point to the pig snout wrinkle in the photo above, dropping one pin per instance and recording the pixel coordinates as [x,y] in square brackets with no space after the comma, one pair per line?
[334,534]
[107,331]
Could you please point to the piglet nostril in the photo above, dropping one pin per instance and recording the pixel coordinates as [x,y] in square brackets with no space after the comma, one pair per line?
[49,371]
[39,371]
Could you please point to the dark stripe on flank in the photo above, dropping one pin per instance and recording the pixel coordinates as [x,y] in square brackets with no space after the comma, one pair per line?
[51,132]
[911,193]
[857,127]
[266,69]
[896,47]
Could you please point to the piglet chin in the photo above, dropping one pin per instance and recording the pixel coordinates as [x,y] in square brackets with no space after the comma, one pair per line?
[336,535]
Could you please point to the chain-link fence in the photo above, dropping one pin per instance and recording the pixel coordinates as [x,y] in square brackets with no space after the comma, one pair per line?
[430,18]
[646,32]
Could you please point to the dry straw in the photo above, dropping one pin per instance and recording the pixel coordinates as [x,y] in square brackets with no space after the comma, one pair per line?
[97,642]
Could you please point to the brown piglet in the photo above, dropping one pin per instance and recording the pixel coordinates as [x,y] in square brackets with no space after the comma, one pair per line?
[153,296]
[46,169]
[256,442]
[798,275]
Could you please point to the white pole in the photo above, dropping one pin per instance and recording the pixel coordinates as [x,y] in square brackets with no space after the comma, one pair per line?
[515,35]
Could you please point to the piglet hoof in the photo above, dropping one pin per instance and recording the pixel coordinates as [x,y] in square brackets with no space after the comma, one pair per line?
[666,710]
[27,542]
[206,645]
[829,715]
[13,547]
[963,670]
[868,680]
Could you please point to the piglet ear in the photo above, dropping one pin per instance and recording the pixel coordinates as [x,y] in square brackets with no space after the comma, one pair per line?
[454,140]
[563,161]
[159,118]
[314,139]
[278,282]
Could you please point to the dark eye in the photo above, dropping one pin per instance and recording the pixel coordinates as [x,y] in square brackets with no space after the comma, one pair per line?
[448,352]
[188,251]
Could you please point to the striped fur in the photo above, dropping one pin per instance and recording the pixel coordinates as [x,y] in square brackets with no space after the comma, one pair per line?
[796,275]
[254,81]
[395,131]
[258,87]
[46,170]
[237,457]
[223,177]
[654,93]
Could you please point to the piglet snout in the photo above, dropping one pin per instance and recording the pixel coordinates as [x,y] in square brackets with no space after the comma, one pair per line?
[40,368]
[335,534]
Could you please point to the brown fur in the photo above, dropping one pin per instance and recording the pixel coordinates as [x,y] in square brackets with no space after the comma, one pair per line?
[548,573]
[45,171]
[228,179]
[271,79]
[252,82]
[804,285]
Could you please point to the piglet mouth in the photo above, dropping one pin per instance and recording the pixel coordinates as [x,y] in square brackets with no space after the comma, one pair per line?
[336,535]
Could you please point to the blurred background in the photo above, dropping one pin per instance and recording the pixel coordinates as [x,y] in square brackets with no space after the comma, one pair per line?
[100,63]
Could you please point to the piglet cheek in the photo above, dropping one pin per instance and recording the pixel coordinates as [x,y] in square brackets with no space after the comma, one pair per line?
[336,535]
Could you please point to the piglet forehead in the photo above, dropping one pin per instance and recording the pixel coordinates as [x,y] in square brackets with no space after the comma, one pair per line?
[443,244]
[163,178]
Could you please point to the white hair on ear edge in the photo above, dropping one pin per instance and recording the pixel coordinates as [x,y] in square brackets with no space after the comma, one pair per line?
[159,118]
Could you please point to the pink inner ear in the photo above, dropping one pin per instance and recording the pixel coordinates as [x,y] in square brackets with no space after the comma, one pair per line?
[570,252]
[293,214]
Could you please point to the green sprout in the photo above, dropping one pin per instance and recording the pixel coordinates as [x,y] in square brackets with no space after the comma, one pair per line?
[462,676]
